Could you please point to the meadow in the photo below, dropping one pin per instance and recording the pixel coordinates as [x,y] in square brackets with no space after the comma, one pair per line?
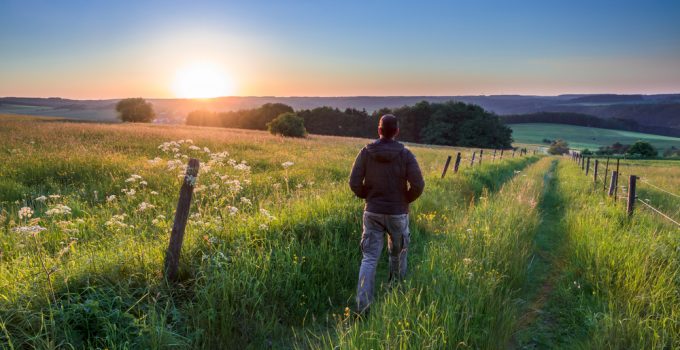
[519,252]
[580,137]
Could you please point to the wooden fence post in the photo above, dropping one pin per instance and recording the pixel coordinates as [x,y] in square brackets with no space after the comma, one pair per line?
[583,163]
[481,153]
[446,166]
[457,163]
[502,153]
[494,156]
[472,162]
[597,162]
[612,184]
[616,183]
[513,153]
[171,265]
[587,166]
[631,195]
[606,170]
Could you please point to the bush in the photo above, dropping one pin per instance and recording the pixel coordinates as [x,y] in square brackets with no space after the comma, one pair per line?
[642,149]
[559,147]
[288,124]
[135,110]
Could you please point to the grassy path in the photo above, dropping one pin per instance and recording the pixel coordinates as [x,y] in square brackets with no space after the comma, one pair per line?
[536,327]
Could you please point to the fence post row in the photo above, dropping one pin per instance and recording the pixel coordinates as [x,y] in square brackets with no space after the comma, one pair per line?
[481,153]
[457,163]
[446,166]
[171,265]
[597,162]
[587,166]
[472,161]
[631,195]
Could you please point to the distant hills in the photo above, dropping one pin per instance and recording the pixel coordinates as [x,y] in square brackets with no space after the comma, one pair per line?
[655,111]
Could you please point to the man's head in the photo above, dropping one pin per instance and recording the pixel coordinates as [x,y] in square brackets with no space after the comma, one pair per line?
[388,127]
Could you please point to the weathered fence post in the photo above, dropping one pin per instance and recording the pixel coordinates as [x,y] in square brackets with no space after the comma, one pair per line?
[606,170]
[446,166]
[457,163]
[472,161]
[481,153]
[587,166]
[513,153]
[181,215]
[616,183]
[597,162]
[612,184]
[631,195]
[494,156]
[583,163]
[502,153]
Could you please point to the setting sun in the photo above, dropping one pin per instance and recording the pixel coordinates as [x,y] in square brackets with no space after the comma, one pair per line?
[202,80]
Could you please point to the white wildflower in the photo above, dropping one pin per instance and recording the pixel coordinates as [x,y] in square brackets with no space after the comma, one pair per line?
[111,198]
[54,196]
[29,229]
[41,199]
[206,149]
[246,201]
[155,160]
[144,206]
[58,209]
[153,193]
[286,165]
[25,212]
[194,148]
[232,210]
[263,226]
[267,214]
[143,183]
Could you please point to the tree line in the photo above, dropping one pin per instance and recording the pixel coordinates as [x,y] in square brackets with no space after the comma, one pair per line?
[449,123]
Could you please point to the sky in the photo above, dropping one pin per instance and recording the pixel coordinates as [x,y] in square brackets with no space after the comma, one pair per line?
[115,49]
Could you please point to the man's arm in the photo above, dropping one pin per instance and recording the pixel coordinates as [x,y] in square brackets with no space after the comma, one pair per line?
[356,178]
[414,177]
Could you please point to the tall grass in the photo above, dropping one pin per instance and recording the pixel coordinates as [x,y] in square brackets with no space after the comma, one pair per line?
[620,280]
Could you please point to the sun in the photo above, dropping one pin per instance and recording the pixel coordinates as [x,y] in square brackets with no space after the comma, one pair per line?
[202,80]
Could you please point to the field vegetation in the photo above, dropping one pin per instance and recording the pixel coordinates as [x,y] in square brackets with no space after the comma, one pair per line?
[519,252]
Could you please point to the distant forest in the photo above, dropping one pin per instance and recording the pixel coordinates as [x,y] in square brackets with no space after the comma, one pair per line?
[449,123]
[589,121]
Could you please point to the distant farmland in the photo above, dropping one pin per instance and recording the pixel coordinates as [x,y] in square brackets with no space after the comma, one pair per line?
[585,137]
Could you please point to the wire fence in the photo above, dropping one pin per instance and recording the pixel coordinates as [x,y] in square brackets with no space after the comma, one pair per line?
[584,164]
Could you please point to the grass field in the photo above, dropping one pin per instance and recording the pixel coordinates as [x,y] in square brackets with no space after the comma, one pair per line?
[580,137]
[515,253]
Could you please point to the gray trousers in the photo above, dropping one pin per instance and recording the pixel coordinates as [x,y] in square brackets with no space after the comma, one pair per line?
[398,239]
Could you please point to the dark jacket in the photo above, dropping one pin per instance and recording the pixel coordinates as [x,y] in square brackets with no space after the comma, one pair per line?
[387,175]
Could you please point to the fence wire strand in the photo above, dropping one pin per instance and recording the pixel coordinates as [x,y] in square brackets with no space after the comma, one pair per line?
[660,189]
[658,212]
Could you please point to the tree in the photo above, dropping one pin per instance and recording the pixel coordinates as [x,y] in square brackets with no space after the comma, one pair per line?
[288,124]
[642,149]
[135,110]
[559,147]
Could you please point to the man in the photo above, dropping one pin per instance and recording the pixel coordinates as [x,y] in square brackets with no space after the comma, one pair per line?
[387,175]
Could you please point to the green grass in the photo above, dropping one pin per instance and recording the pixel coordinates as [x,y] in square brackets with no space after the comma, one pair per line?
[485,243]
[580,137]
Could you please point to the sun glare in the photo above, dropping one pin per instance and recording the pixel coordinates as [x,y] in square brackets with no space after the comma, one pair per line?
[202,80]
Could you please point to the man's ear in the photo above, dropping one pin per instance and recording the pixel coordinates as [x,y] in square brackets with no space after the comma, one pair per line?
[396,133]
[380,131]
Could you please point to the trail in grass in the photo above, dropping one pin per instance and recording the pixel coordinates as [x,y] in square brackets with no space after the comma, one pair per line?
[536,328]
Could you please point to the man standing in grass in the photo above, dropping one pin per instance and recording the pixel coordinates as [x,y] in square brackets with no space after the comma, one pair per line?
[388,177]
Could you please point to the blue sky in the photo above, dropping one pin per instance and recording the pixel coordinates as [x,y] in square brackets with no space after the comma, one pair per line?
[106,49]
